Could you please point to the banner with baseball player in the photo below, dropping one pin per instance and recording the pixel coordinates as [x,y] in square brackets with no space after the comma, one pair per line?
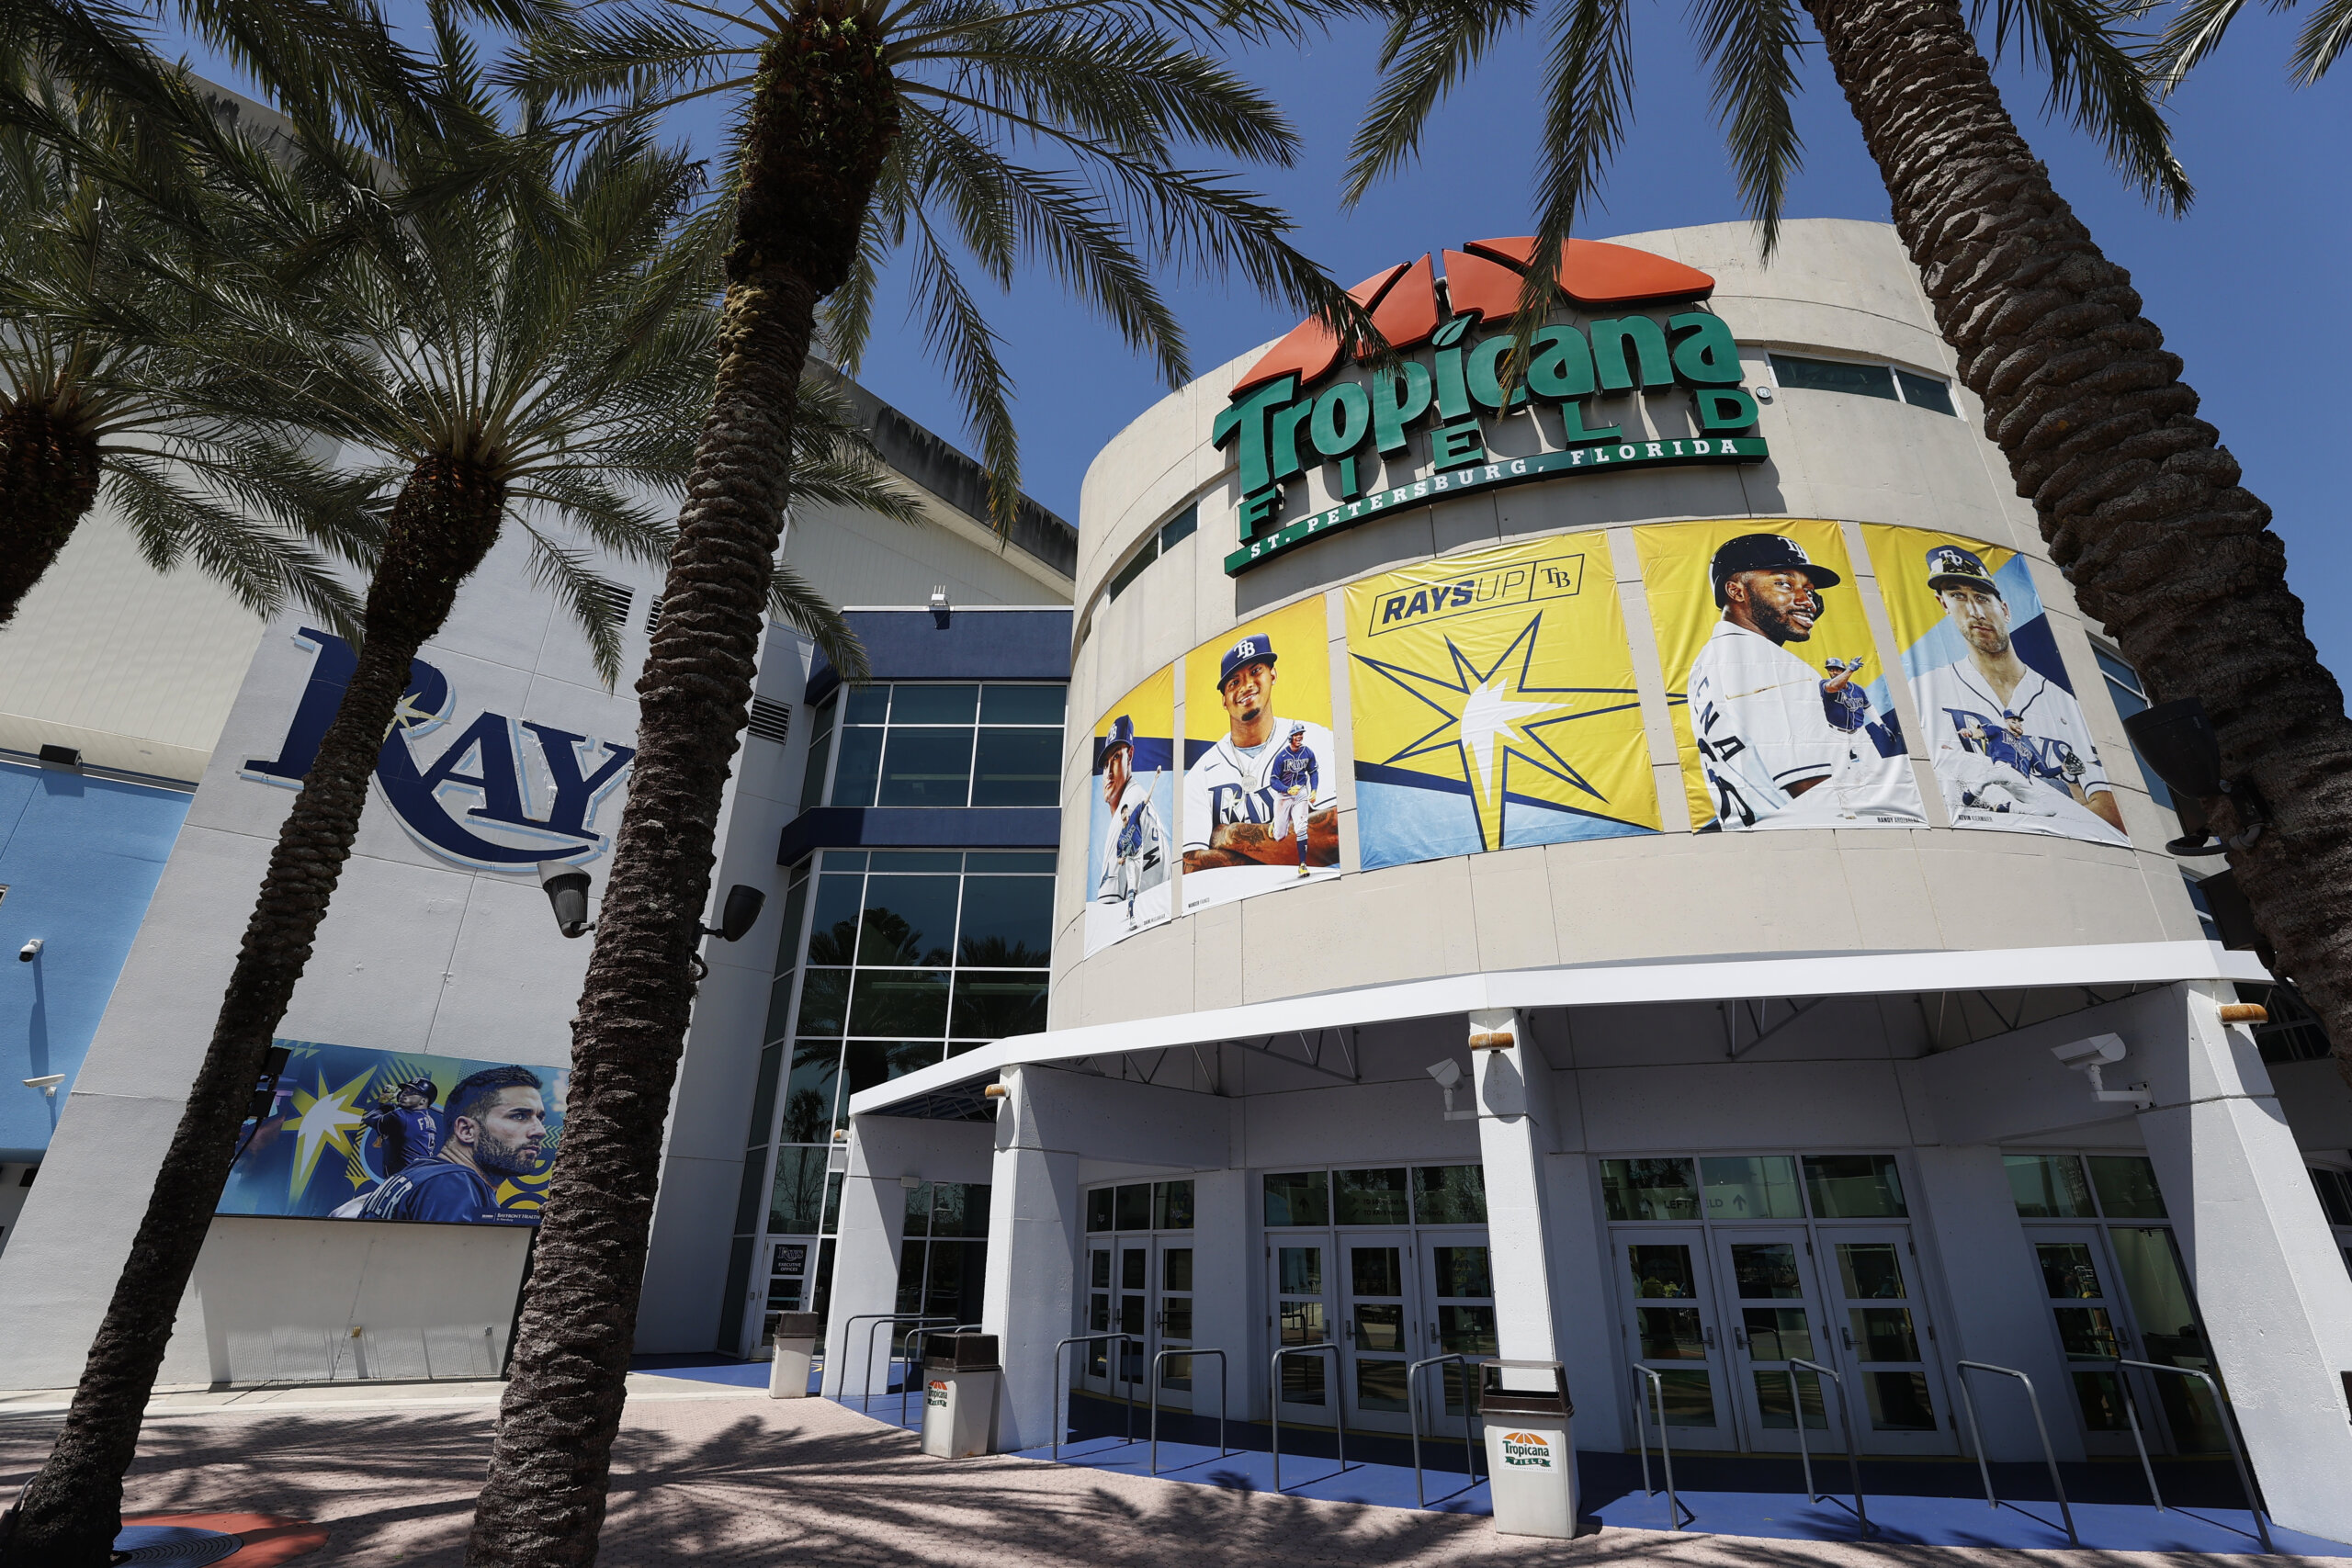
[1130,815]
[1262,793]
[1493,703]
[360,1135]
[1781,715]
[2012,752]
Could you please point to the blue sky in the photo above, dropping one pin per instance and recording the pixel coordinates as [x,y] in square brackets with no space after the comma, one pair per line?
[2247,289]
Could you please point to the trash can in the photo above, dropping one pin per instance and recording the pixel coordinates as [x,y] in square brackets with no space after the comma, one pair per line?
[796,1341]
[961,1376]
[1531,1463]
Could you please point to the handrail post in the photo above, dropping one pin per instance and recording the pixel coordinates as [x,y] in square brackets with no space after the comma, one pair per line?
[2048,1455]
[1186,1351]
[1339,1401]
[849,1327]
[1674,1509]
[915,1363]
[1413,1413]
[1060,1415]
[1846,1416]
[2222,1408]
[2132,1414]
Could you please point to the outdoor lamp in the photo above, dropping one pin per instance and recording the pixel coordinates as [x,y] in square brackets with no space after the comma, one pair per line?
[2177,740]
[567,890]
[739,914]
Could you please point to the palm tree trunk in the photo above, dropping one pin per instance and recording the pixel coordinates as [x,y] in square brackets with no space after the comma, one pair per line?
[443,524]
[824,113]
[49,478]
[2137,498]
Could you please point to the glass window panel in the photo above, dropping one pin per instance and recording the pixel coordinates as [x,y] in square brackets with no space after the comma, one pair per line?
[795,905]
[1772,1400]
[1369,1197]
[951,1208]
[1022,705]
[1133,1263]
[1181,527]
[1689,1397]
[1299,1197]
[2100,1396]
[1098,1319]
[1872,1271]
[2335,1190]
[933,704]
[1450,1194]
[832,1224]
[1380,1326]
[1926,392]
[997,1003]
[1099,1274]
[1176,1317]
[2067,1272]
[1751,1187]
[1176,1269]
[824,1000]
[809,1093]
[763,1094]
[1467,1329]
[1884,1334]
[1299,1270]
[779,1021]
[1303,1323]
[1662,1269]
[916,860]
[1303,1375]
[857,767]
[1035,861]
[1671,1333]
[2126,1185]
[1134,569]
[1380,1386]
[2158,1292]
[864,1064]
[1017,767]
[1098,1218]
[926,767]
[1778,1334]
[2088,1333]
[1833,376]
[821,751]
[909,920]
[1171,1205]
[1767,1270]
[913,1055]
[1376,1270]
[900,1001]
[833,936]
[2048,1187]
[911,1261]
[1008,922]
[796,1198]
[1462,1272]
[843,860]
[1854,1186]
[867,705]
[1649,1188]
[1899,1402]
[1135,1208]
[747,1193]
[918,1208]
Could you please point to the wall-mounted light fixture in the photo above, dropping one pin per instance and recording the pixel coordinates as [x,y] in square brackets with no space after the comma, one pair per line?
[2177,740]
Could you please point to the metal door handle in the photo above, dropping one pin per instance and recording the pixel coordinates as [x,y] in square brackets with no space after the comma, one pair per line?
[1738,1337]
[1349,1325]
[1848,1334]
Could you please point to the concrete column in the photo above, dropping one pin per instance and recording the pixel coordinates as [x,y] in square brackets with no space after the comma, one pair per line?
[866,1272]
[1585,1326]
[1225,1308]
[2269,1280]
[1035,1226]
[1515,1131]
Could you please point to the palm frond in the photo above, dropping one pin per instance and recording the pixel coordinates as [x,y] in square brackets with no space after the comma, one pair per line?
[2098,80]
[796,604]
[1430,49]
[1752,46]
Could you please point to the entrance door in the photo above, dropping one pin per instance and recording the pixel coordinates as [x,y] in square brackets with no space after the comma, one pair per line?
[1101,1297]
[1379,1326]
[1461,1284]
[1671,1311]
[1303,1282]
[2078,1277]
[1774,1304]
[1883,1330]
[1171,1324]
[780,1286]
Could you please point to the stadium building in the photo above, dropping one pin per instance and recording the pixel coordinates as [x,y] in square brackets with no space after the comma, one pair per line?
[1631,859]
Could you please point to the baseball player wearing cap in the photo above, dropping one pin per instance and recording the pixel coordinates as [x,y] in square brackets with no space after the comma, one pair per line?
[1231,817]
[1781,747]
[2011,747]
[411,1132]
[1136,855]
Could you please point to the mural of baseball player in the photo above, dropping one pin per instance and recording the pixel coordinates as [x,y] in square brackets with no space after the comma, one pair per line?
[1261,804]
[2011,749]
[1778,738]
[1129,817]
[410,1130]
[498,1125]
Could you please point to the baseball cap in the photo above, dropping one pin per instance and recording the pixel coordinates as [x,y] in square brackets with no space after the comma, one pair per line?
[1123,733]
[1297,728]
[1949,566]
[1255,649]
[424,1087]
[1765,552]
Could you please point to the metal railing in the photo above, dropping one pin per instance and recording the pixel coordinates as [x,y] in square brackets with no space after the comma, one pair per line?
[914,1359]
[1675,1511]
[1162,1356]
[1339,1401]
[1061,1412]
[1960,1377]
[849,1325]
[1413,1413]
[2229,1434]
[1845,1416]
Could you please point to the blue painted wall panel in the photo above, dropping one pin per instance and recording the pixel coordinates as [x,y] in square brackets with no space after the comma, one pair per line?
[977,645]
[80,857]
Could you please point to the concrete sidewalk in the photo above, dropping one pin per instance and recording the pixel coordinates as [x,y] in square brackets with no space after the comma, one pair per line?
[717,1477]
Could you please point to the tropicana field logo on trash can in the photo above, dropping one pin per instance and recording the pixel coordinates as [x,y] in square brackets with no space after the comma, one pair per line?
[1527,1449]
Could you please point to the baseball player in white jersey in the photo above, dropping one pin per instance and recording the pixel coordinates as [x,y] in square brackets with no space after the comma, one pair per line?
[2011,747]
[1136,855]
[1260,784]
[1780,746]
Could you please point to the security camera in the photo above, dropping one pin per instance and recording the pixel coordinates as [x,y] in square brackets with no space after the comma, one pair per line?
[30,952]
[46,1083]
[2091,1056]
[567,890]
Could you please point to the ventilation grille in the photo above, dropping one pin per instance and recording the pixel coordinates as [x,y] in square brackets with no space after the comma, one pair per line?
[771,721]
[612,597]
[652,614]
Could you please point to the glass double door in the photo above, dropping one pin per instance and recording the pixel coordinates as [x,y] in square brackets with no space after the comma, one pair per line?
[1140,1287]
[2119,1292]
[780,1285]
[1384,1299]
[1722,1313]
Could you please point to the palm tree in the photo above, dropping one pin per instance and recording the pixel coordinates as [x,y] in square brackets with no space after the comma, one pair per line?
[2196,31]
[2137,499]
[865,127]
[113,383]
[534,351]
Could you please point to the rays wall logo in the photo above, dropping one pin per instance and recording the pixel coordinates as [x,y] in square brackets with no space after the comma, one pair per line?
[1281,426]
[474,801]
